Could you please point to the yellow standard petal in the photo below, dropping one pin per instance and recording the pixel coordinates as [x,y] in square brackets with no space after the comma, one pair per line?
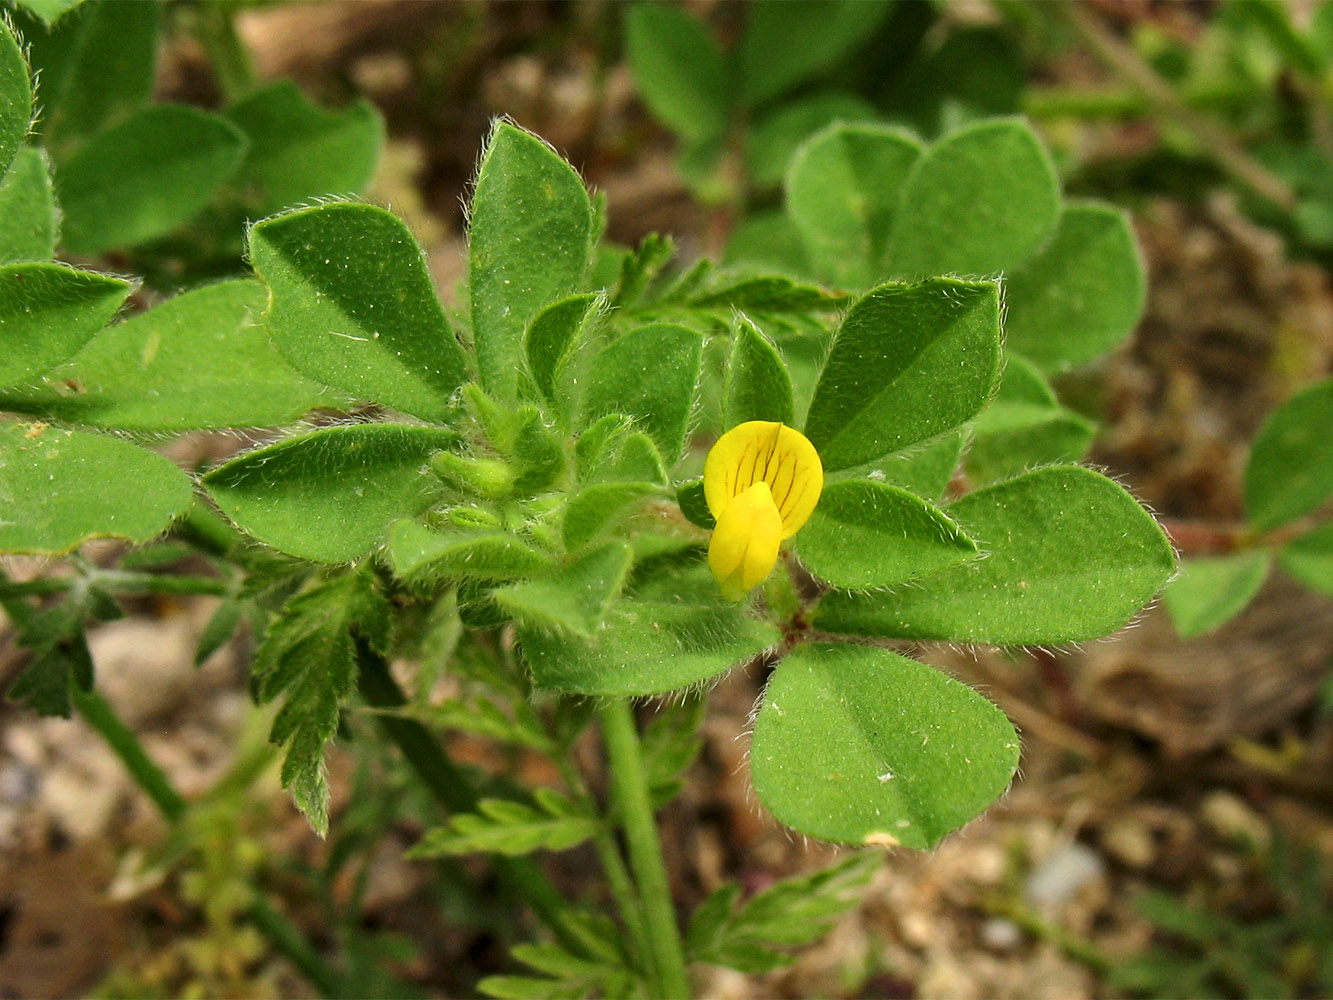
[769,452]
[745,543]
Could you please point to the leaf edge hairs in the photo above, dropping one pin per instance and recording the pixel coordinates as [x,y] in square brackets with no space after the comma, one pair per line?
[762,480]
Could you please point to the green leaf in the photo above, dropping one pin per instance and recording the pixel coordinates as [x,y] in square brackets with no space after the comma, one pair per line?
[330,495]
[144,177]
[572,976]
[199,360]
[593,510]
[1023,427]
[768,241]
[908,363]
[979,202]
[1070,556]
[757,385]
[864,746]
[354,308]
[49,11]
[867,534]
[1081,294]
[787,41]
[795,911]
[59,488]
[530,237]
[671,741]
[773,140]
[768,293]
[843,190]
[299,150]
[15,97]
[48,312]
[501,826]
[575,598]
[28,227]
[694,505]
[60,659]
[1309,558]
[1209,592]
[309,653]
[679,69]
[417,553]
[926,469]
[1290,471]
[649,374]
[677,634]
[94,68]
[552,336]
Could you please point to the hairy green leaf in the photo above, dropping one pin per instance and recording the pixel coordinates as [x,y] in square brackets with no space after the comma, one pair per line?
[299,150]
[59,488]
[199,360]
[1081,294]
[501,826]
[1290,471]
[843,190]
[864,746]
[866,534]
[757,385]
[530,236]
[553,335]
[418,553]
[1209,592]
[144,177]
[909,362]
[979,202]
[649,374]
[574,598]
[679,69]
[354,308]
[28,226]
[330,495]
[1070,556]
[48,312]
[15,97]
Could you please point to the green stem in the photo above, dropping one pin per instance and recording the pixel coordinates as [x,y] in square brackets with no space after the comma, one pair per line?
[215,27]
[452,790]
[281,933]
[629,794]
[121,581]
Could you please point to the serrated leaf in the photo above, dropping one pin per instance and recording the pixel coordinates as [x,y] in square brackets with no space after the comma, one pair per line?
[676,635]
[1024,427]
[95,67]
[59,488]
[1290,471]
[649,374]
[15,97]
[354,308]
[773,139]
[757,385]
[330,495]
[422,554]
[48,312]
[843,189]
[199,360]
[866,534]
[908,362]
[979,202]
[1081,294]
[60,658]
[861,745]
[485,718]
[795,911]
[502,826]
[299,150]
[574,598]
[786,42]
[28,226]
[144,177]
[530,236]
[1070,556]
[1309,558]
[552,336]
[679,69]
[308,653]
[1209,592]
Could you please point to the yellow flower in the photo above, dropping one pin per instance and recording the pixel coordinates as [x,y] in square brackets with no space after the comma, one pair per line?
[762,481]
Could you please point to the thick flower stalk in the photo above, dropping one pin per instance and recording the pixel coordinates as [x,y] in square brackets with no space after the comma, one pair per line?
[761,481]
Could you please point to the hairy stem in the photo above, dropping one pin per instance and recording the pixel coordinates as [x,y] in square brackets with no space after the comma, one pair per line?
[629,794]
